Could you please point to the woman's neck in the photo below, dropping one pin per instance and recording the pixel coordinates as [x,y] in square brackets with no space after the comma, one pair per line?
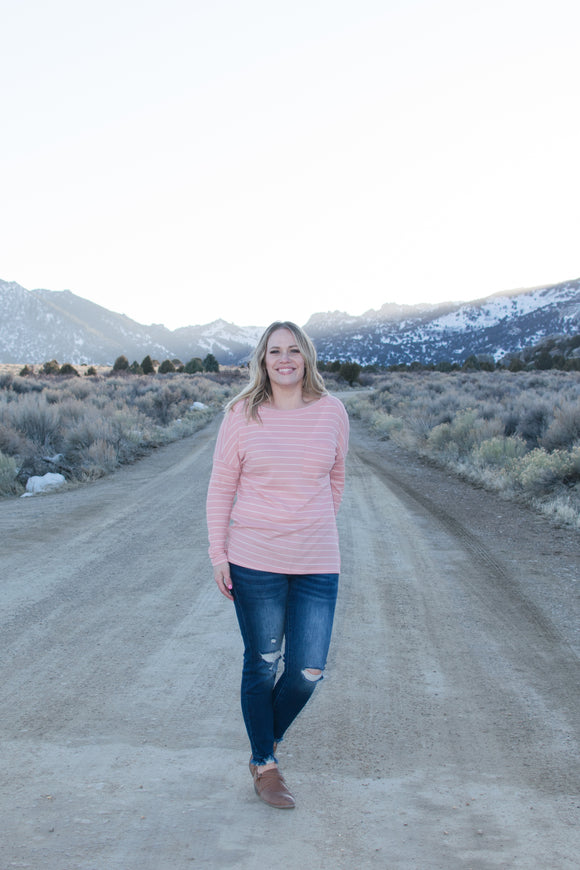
[288,399]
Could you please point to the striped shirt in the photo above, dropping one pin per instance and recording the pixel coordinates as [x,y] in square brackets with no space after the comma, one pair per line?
[276,487]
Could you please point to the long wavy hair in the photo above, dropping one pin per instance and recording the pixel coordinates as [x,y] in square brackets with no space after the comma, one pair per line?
[259,390]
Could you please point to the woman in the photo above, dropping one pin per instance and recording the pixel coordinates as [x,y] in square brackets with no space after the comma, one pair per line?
[275,489]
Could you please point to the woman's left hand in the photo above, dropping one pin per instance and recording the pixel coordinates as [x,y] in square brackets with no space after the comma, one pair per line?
[221,575]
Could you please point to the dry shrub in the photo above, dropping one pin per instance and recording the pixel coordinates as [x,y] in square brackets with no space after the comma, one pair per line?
[80,389]
[563,510]
[518,433]
[100,459]
[37,421]
[540,471]
[563,431]
[92,428]
[8,471]
[534,422]
[457,438]
[98,423]
[423,418]
[385,426]
[498,451]
[13,442]
[26,385]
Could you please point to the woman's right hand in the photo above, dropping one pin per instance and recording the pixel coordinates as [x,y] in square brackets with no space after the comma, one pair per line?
[221,575]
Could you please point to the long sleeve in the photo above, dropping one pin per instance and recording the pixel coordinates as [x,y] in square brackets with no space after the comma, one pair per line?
[222,488]
[338,471]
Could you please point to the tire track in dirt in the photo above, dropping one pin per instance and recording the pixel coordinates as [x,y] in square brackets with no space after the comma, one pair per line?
[498,594]
[500,601]
[444,736]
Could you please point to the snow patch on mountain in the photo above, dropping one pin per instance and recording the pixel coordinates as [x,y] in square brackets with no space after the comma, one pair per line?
[39,325]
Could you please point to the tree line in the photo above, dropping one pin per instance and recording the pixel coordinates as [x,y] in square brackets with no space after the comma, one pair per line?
[148,366]
[560,353]
[557,352]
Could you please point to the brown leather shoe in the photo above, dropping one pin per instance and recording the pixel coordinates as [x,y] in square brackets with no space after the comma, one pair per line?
[271,788]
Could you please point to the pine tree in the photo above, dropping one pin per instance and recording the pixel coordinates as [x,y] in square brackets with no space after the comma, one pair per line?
[121,364]
[67,369]
[350,371]
[147,366]
[210,363]
[194,365]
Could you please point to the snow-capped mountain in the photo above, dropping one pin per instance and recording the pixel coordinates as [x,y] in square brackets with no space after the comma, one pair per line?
[39,325]
[495,326]
[230,344]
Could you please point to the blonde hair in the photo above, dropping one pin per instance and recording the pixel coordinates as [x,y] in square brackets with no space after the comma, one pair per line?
[259,390]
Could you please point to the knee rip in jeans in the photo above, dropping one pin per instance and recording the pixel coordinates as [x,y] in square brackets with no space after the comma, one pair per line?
[272,658]
[312,674]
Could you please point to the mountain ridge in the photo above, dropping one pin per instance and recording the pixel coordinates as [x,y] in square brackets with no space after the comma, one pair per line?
[38,325]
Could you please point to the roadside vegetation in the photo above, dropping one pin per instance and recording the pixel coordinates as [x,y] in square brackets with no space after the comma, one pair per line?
[86,427]
[513,429]
[515,433]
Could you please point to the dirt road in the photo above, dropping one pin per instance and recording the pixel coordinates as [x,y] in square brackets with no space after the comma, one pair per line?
[444,738]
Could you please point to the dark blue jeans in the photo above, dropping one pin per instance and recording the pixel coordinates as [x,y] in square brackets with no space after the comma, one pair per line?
[299,610]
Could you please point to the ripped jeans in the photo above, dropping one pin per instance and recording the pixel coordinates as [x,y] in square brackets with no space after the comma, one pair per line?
[298,608]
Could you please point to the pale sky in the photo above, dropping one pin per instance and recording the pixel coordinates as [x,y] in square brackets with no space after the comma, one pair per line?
[180,161]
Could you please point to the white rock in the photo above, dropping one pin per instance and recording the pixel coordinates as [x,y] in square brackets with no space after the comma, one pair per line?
[47,483]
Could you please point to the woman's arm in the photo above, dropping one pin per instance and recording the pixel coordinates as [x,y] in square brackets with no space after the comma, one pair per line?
[220,498]
[337,472]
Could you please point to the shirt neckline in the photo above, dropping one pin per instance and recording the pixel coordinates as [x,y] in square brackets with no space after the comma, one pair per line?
[268,407]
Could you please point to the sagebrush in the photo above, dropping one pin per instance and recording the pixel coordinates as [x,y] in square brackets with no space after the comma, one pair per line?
[86,428]
[515,432]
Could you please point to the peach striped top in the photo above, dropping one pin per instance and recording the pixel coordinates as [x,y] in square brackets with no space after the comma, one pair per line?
[276,486]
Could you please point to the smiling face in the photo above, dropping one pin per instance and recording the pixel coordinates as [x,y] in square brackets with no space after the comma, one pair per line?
[284,361]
